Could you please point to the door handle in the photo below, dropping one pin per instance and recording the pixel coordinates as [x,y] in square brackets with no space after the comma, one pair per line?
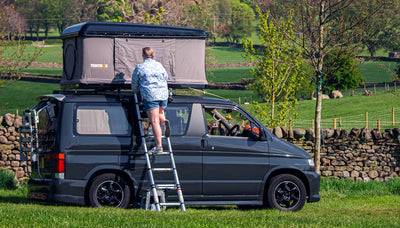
[203,143]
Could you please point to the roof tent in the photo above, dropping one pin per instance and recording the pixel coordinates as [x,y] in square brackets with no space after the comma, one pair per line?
[107,53]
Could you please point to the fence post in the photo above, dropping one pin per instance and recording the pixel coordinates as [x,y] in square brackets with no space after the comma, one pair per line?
[334,123]
[340,121]
[378,125]
[366,120]
[240,103]
[374,89]
[393,117]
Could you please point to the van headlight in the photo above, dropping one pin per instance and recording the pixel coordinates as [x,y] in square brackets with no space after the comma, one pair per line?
[311,162]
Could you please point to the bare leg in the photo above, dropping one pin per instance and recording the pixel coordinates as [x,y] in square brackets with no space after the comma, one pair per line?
[163,120]
[155,124]
[162,115]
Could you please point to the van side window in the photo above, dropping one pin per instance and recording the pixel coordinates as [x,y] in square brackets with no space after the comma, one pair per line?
[101,120]
[229,122]
[178,117]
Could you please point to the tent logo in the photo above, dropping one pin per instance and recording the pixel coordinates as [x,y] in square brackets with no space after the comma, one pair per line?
[99,65]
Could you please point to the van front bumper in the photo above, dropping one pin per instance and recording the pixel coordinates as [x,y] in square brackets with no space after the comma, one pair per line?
[58,190]
[313,186]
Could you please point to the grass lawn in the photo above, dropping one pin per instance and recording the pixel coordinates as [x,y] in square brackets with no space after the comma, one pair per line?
[379,52]
[51,53]
[20,95]
[352,110]
[227,54]
[228,74]
[343,203]
[377,71]
[44,71]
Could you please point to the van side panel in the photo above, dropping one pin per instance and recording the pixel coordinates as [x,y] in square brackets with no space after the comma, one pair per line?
[83,153]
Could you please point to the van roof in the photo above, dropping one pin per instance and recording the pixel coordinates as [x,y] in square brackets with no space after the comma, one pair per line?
[130,30]
[114,98]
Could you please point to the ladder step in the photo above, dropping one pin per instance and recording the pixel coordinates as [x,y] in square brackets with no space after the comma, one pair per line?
[162,169]
[165,186]
[25,140]
[152,137]
[170,204]
[25,130]
[160,153]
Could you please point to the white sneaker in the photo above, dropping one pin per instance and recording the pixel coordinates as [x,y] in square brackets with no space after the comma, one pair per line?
[156,150]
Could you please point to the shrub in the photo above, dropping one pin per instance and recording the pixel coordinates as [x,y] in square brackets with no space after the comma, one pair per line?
[7,179]
[341,71]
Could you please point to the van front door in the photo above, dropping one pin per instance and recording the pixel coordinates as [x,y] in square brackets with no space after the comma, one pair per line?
[234,161]
[187,148]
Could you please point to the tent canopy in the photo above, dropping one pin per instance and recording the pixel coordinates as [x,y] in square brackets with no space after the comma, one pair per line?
[107,53]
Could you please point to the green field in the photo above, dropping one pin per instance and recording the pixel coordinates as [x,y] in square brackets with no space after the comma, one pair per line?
[372,71]
[377,71]
[228,74]
[50,53]
[227,54]
[19,95]
[343,203]
[379,52]
[44,71]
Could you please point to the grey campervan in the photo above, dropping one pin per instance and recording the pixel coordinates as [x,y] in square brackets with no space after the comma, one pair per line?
[89,149]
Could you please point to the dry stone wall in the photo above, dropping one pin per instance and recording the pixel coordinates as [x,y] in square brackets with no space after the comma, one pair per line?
[9,146]
[359,154]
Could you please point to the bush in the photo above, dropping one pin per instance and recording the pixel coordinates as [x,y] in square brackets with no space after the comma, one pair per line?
[7,179]
[341,72]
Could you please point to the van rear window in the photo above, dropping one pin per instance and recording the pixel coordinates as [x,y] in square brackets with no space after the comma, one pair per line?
[102,120]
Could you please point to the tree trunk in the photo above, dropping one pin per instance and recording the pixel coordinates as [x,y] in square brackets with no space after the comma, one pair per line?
[317,122]
[273,108]
[318,104]
[46,29]
[371,50]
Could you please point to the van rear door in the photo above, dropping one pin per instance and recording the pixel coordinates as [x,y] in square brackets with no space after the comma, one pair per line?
[44,159]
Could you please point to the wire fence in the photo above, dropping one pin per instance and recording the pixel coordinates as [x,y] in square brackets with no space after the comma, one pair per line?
[376,120]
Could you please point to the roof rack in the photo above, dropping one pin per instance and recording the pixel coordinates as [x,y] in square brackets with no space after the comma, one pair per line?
[129,30]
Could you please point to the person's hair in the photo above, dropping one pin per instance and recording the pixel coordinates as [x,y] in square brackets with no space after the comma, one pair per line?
[148,52]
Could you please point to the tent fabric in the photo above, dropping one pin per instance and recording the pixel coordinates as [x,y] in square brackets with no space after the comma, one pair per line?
[112,60]
[128,53]
[98,60]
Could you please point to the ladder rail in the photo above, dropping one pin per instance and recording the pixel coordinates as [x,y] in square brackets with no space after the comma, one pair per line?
[176,177]
[148,163]
[154,187]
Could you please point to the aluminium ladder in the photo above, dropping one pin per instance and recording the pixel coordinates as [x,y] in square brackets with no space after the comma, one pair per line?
[157,191]
[28,137]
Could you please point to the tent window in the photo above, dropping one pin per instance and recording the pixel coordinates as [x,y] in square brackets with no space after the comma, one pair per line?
[102,120]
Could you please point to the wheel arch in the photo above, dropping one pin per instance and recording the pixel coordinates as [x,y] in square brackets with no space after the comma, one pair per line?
[293,171]
[131,181]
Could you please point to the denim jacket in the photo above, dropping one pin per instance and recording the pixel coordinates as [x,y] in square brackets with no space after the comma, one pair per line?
[150,78]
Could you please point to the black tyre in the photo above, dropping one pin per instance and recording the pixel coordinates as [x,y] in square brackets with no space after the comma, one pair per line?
[286,193]
[109,190]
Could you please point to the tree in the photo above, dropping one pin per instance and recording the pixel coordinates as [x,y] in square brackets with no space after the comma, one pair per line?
[378,30]
[325,25]
[13,54]
[278,67]
[241,21]
[115,11]
[341,71]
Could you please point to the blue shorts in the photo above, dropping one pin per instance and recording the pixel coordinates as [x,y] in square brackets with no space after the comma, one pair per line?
[149,105]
